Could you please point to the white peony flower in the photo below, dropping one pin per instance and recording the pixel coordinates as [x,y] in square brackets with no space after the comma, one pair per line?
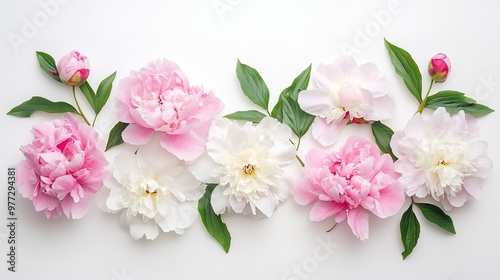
[347,92]
[247,162]
[153,189]
[441,156]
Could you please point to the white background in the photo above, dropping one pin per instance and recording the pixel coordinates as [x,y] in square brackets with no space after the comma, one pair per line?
[280,39]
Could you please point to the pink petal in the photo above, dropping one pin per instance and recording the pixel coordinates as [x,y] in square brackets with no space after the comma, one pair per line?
[302,193]
[137,135]
[75,210]
[43,202]
[63,185]
[390,201]
[357,219]
[188,146]
[26,179]
[324,209]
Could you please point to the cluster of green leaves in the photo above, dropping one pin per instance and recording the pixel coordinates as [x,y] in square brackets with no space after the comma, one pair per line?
[96,100]
[453,102]
[286,110]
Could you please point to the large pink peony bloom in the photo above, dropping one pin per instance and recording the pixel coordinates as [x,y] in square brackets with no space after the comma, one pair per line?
[349,184]
[441,155]
[159,98]
[346,93]
[64,166]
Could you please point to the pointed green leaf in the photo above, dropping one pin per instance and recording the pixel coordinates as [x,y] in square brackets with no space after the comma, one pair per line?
[115,135]
[410,231]
[103,91]
[277,111]
[406,68]
[436,216]
[252,85]
[89,94]
[250,115]
[37,103]
[48,64]
[213,222]
[454,101]
[293,116]
[383,135]
[299,83]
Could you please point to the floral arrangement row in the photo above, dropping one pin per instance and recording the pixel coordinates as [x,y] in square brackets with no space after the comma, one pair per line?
[189,162]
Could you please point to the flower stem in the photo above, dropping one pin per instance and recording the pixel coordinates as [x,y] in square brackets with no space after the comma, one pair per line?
[422,105]
[79,108]
[300,160]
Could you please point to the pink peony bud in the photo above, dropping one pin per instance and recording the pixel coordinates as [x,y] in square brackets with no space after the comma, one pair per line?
[439,67]
[73,68]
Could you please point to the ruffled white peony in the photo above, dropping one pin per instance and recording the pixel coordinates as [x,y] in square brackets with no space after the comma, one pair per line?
[441,156]
[153,189]
[346,93]
[248,164]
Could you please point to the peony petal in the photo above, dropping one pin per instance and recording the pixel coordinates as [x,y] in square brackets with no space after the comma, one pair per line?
[327,134]
[302,193]
[138,228]
[390,201]
[459,199]
[218,200]
[75,210]
[266,205]
[357,219]
[324,209]
[45,202]
[316,102]
[137,135]
[204,169]
[188,146]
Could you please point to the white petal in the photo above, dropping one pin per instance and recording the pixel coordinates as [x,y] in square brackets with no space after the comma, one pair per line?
[218,200]
[316,102]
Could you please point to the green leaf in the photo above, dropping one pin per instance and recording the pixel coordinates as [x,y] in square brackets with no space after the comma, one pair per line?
[436,216]
[277,111]
[89,94]
[48,65]
[383,135]
[103,92]
[299,83]
[37,103]
[213,222]
[410,231]
[454,101]
[115,135]
[250,115]
[252,85]
[293,116]
[406,68]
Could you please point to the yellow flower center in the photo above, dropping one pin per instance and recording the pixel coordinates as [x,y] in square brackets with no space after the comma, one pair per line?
[249,169]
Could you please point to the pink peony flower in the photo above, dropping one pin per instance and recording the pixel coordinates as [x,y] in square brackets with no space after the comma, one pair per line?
[439,67]
[349,184]
[441,155]
[347,93]
[159,98]
[73,69]
[64,166]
